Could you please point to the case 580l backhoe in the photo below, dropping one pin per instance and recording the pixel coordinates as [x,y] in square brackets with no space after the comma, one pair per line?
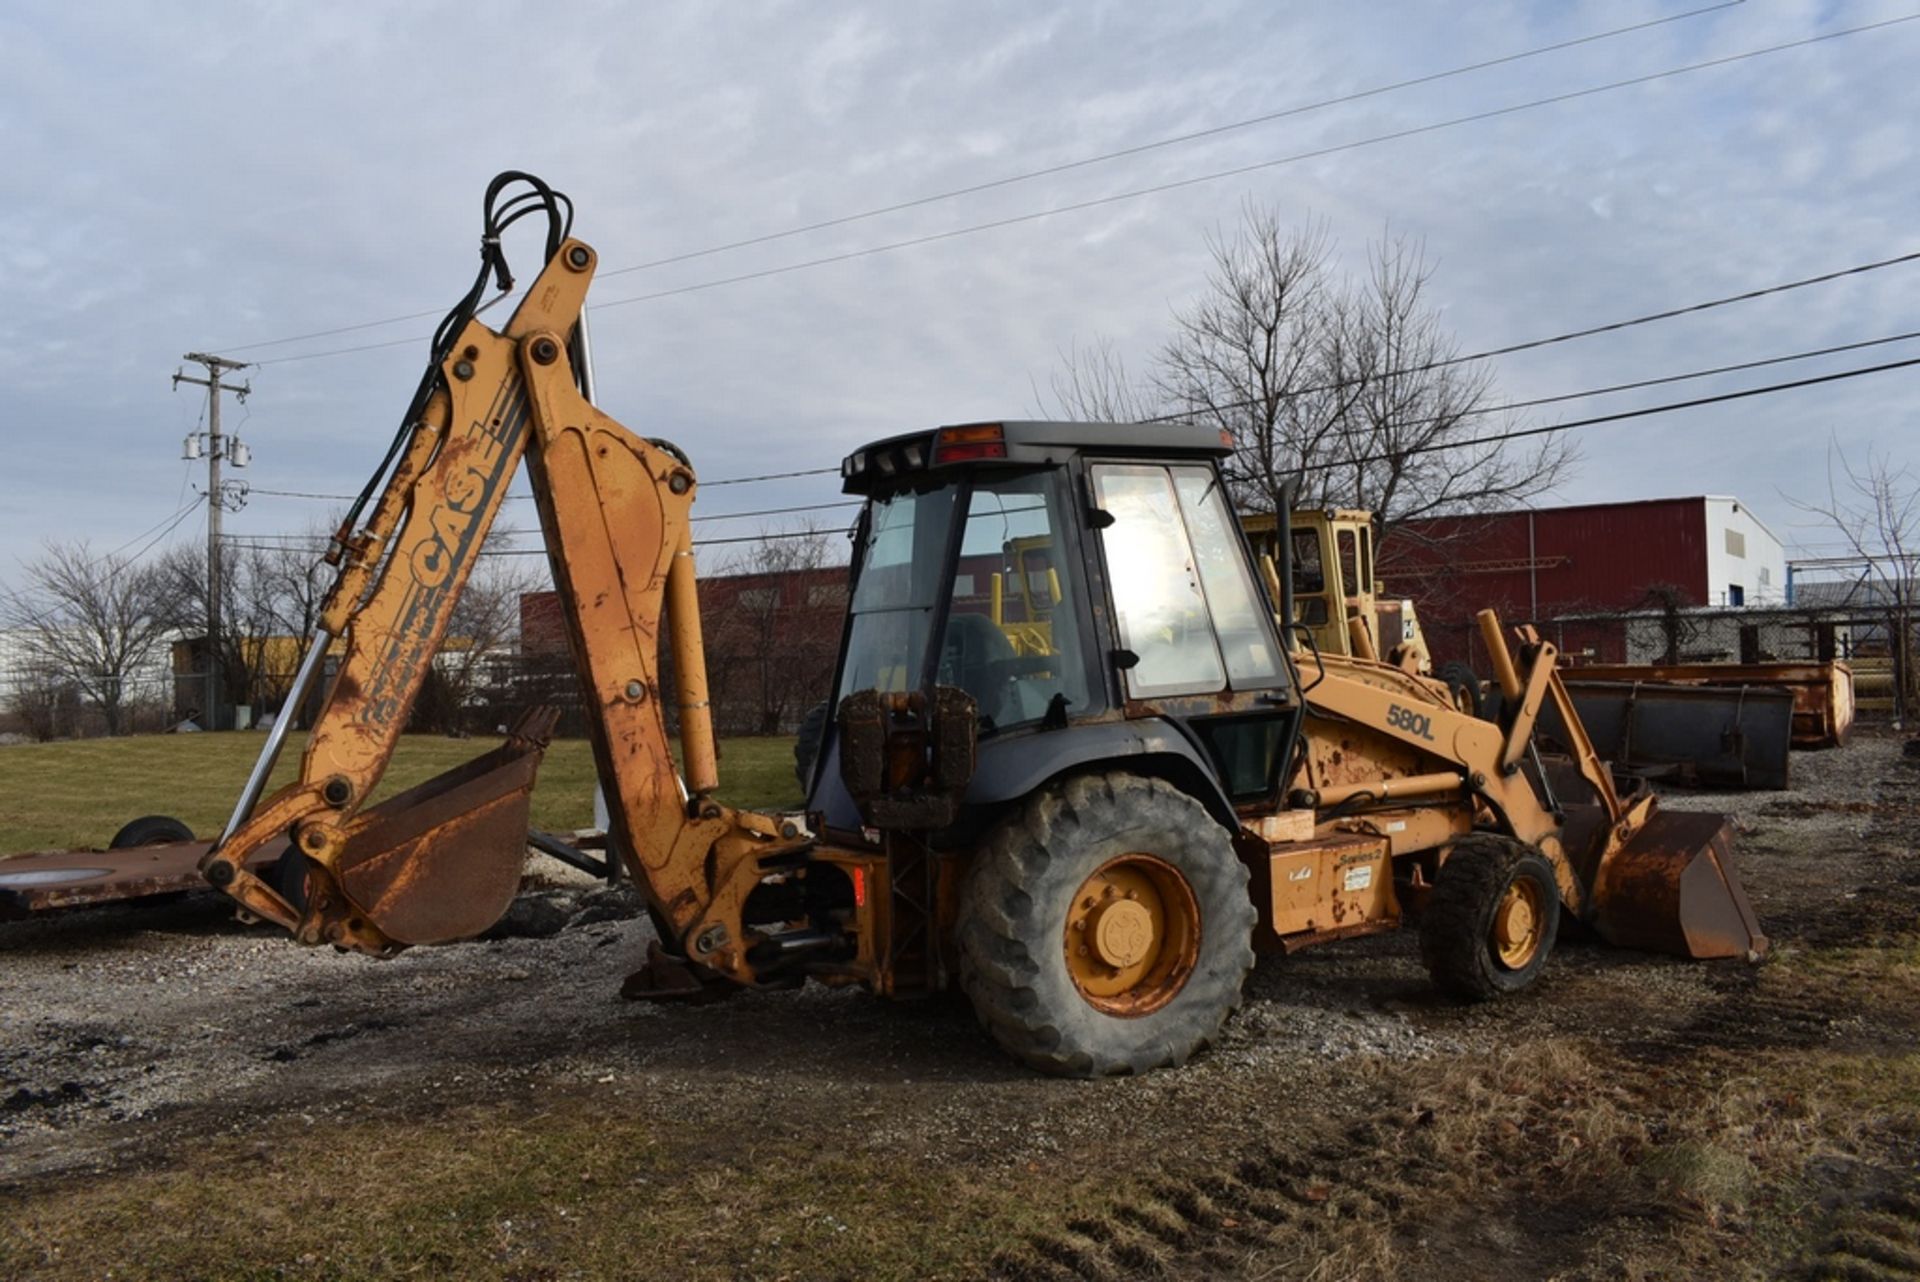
[1087,809]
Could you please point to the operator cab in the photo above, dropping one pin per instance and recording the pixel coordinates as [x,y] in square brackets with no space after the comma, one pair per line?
[1087,586]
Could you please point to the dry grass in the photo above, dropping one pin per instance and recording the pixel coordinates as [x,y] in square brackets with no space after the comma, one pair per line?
[77,794]
[585,1187]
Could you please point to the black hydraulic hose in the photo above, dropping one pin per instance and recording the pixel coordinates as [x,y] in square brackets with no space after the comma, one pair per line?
[496,218]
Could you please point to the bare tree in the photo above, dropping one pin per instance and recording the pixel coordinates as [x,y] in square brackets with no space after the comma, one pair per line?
[778,626]
[292,582]
[254,670]
[1875,508]
[41,700]
[1356,386]
[1258,356]
[482,631]
[1409,408]
[95,623]
[1092,385]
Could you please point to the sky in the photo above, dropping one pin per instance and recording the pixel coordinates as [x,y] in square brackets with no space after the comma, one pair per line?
[217,177]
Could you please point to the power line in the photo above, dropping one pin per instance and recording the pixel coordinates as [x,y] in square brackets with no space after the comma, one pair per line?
[1435,447]
[1536,402]
[1048,171]
[308,494]
[770,476]
[317,549]
[1504,407]
[165,526]
[1571,335]
[727,480]
[1158,144]
[1622,416]
[1173,185]
[168,528]
[775,511]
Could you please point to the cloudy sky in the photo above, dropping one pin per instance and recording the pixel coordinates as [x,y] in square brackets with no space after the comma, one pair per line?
[216,177]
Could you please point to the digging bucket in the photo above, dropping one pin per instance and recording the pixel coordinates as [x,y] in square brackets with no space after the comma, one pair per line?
[1671,888]
[442,861]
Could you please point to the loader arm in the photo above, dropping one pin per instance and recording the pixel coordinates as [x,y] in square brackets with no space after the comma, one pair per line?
[442,861]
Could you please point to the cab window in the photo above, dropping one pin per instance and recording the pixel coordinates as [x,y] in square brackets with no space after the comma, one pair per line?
[1183,594]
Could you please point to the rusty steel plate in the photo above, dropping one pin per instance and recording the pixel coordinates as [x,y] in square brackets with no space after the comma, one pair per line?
[47,880]
[1673,889]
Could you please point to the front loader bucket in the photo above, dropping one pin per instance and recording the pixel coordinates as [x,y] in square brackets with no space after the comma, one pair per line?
[441,861]
[1672,889]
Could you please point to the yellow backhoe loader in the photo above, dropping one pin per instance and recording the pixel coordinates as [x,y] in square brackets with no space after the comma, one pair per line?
[1336,597]
[1088,826]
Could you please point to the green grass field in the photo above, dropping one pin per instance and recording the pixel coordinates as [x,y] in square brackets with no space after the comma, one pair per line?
[77,794]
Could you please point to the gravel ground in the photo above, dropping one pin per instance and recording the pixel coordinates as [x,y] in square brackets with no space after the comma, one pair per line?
[127,1032]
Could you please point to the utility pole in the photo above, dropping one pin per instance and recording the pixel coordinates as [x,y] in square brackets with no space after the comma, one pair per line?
[216,447]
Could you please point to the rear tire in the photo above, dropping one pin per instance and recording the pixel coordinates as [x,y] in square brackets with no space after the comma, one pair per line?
[1175,927]
[151,830]
[1492,919]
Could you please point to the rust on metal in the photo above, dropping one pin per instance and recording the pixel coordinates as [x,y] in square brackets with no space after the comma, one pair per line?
[1671,888]
[1323,887]
[1132,935]
[666,978]
[43,881]
[906,761]
[442,861]
[1823,703]
[52,879]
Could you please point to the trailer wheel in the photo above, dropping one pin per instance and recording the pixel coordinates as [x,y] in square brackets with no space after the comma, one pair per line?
[151,830]
[1106,928]
[1492,918]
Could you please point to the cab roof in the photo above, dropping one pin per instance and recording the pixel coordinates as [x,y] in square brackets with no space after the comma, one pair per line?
[1025,443]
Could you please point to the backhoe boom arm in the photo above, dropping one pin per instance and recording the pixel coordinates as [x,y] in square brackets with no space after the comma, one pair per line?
[442,861]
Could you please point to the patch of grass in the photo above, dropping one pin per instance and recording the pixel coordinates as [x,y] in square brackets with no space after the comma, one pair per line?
[78,794]
[586,1187]
[1701,1173]
[1675,1168]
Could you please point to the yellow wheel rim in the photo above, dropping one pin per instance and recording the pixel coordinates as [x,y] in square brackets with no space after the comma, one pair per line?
[1132,935]
[1517,924]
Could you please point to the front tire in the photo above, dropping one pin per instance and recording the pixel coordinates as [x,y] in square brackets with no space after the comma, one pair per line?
[1492,918]
[1107,928]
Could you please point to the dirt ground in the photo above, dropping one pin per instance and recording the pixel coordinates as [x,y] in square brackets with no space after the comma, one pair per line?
[182,1096]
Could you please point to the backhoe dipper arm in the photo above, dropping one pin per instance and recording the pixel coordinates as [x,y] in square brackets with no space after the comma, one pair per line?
[442,861]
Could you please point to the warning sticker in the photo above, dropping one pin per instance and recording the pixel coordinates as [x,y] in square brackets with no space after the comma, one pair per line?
[1359,877]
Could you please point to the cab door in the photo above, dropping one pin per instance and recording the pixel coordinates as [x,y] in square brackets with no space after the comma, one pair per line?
[1193,640]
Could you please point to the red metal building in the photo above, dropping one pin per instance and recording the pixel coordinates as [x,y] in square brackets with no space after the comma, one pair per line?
[771,640]
[1555,564]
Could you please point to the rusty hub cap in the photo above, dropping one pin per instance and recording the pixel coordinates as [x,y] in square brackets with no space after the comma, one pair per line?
[1516,924]
[1133,935]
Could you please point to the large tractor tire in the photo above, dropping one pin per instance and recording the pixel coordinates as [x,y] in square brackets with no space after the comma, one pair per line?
[1492,918]
[806,743]
[1464,686]
[1106,928]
